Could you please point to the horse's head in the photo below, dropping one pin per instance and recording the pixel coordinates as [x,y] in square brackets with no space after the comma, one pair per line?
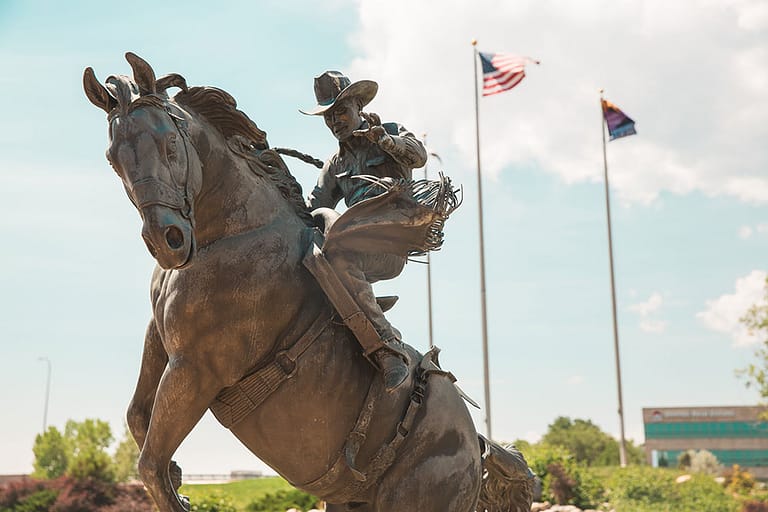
[152,153]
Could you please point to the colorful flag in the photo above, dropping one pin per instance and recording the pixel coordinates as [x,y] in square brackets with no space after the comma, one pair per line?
[619,124]
[502,71]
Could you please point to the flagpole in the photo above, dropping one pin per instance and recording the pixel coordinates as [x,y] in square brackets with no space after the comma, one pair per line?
[622,441]
[429,265]
[482,256]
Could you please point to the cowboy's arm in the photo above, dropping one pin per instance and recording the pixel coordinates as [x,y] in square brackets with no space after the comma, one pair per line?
[403,146]
[327,193]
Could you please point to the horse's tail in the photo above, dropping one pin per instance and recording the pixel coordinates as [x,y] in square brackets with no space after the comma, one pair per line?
[508,482]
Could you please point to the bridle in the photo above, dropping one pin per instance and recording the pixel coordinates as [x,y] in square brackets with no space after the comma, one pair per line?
[152,191]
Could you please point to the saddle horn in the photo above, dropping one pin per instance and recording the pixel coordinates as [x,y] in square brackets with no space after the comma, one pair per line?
[97,93]
[143,74]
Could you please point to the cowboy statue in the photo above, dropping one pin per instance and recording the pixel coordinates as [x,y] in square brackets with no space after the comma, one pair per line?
[367,149]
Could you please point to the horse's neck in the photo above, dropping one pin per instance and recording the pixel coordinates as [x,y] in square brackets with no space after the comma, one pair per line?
[234,200]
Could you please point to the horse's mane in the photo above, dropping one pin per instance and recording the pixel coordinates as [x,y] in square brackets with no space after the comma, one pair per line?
[220,109]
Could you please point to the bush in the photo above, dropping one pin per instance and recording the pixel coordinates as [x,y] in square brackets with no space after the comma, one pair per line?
[640,485]
[705,462]
[564,481]
[66,494]
[283,500]
[26,496]
[130,498]
[684,459]
[645,489]
[85,495]
[738,480]
[702,493]
[214,502]
[754,506]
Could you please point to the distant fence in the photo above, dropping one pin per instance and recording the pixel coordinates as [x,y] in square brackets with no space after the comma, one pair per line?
[212,478]
[5,479]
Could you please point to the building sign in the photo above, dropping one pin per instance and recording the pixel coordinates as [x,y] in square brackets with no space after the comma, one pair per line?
[658,415]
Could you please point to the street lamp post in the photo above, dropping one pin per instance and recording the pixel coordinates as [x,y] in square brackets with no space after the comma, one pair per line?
[47,392]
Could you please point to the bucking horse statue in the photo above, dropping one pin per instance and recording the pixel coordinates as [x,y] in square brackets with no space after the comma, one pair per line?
[242,323]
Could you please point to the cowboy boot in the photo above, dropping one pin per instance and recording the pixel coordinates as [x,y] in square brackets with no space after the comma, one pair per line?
[384,353]
[393,367]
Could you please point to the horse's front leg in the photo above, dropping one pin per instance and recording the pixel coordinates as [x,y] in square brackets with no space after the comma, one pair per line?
[153,361]
[187,387]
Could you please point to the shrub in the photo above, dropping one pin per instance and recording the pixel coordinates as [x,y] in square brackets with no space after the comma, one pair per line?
[26,496]
[85,495]
[738,480]
[564,481]
[645,489]
[561,484]
[214,502]
[705,462]
[640,485]
[283,500]
[684,459]
[130,498]
[754,506]
[66,494]
[702,493]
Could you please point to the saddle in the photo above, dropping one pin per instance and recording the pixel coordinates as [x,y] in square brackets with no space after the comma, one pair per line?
[406,219]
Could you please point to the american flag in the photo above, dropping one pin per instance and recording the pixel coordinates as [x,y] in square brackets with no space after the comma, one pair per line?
[502,71]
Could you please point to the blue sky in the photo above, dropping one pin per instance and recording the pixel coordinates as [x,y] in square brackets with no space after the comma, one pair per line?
[690,194]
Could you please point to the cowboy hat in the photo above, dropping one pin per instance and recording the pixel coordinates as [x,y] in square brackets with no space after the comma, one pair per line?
[333,86]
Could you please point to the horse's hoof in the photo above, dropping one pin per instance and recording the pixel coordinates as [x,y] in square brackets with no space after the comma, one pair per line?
[185,502]
[174,471]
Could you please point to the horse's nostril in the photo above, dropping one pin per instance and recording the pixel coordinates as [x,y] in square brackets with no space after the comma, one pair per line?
[174,237]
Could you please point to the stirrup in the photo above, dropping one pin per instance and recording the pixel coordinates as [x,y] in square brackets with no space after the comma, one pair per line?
[386,302]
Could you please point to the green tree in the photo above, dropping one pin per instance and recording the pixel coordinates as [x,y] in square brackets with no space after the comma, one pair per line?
[89,440]
[126,458]
[756,320]
[588,444]
[52,453]
[81,452]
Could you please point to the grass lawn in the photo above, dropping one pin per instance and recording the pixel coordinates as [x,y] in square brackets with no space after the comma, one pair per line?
[241,492]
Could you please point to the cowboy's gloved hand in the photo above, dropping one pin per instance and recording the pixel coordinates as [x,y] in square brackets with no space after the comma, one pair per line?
[375,132]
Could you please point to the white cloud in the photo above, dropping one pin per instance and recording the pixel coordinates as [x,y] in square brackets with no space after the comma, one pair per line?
[653,303]
[692,78]
[646,309]
[745,232]
[722,314]
[653,326]
[575,380]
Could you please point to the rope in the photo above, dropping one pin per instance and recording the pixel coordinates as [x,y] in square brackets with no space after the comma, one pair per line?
[301,156]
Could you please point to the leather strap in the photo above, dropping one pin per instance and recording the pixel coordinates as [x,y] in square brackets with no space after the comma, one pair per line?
[385,456]
[334,289]
[236,402]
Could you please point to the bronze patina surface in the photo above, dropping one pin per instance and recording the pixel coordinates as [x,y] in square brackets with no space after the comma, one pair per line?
[238,319]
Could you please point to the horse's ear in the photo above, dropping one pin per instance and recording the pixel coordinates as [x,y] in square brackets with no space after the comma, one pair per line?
[143,73]
[171,80]
[97,93]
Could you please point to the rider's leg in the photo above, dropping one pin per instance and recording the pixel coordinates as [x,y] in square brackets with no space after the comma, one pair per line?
[357,271]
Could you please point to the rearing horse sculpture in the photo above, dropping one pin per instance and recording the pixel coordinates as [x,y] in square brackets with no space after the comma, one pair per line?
[228,227]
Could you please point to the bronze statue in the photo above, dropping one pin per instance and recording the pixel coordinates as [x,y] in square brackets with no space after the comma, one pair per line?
[366,149]
[242,325]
